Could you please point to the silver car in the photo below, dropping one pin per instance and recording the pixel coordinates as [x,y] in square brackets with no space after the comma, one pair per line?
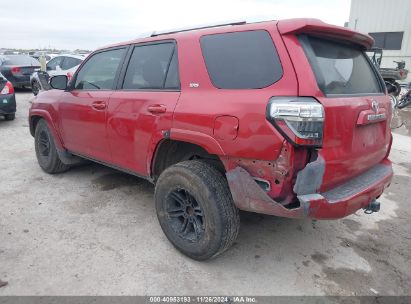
[65,64]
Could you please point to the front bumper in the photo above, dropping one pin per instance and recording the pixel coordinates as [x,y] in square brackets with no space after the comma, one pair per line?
[339,202]
[7,104]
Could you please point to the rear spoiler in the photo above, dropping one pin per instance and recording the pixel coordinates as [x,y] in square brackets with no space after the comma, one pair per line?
[318,28]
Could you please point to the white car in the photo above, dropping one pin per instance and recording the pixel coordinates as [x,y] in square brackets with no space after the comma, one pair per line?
[65,64]
[37,55]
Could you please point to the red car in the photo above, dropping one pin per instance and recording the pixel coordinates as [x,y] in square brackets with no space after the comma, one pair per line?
[287,118]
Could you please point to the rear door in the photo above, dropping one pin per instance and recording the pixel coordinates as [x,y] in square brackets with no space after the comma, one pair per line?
[357,111]
[141,110]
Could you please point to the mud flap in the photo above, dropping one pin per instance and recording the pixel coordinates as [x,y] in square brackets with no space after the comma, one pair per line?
[69,159]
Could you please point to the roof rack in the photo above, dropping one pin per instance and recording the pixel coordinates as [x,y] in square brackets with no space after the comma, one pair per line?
[158,33]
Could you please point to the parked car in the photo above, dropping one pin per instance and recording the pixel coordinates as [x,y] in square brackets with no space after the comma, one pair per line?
[59,65]
[37,55]
[18,68]
[7,99]
[287,118]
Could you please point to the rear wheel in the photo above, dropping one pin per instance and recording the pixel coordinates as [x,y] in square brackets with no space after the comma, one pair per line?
[10,116]
[195,209]
[46,151]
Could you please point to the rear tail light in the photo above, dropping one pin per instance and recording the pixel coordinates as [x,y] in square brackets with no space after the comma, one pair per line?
[8,89]
[299,119]
[15,70]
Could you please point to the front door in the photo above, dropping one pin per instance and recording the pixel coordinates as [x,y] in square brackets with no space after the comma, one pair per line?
[83,107]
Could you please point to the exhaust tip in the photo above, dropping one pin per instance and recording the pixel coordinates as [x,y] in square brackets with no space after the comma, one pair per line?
[374,206]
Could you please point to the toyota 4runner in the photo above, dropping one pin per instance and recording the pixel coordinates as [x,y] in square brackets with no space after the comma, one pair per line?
[288,118]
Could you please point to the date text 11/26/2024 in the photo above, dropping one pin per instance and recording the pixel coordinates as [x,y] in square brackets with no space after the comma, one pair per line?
[202,299]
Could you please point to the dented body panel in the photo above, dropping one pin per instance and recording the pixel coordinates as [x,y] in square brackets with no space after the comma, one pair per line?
[337,203]
[280,173]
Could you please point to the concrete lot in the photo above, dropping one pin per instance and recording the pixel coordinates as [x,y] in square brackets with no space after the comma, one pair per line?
[93,231]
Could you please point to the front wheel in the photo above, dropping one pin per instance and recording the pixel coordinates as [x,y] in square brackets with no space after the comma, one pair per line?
[195,209]
[46,151]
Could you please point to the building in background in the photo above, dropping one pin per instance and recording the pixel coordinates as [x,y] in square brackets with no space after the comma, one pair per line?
[389,23]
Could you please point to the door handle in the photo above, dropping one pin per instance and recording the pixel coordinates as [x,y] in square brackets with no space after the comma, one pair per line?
[99,105]
[157,109]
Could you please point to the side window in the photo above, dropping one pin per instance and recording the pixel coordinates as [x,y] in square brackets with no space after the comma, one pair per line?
[53,63]
[152,67]
[70,62]
[241,60]
[99,72]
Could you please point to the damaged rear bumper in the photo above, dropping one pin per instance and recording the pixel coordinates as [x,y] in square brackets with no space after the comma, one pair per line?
[338,202]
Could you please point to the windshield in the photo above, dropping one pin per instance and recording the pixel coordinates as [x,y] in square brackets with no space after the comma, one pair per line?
[339,68]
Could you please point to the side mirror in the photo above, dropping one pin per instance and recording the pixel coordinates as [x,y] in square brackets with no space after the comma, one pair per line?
[59,82]
[58,68]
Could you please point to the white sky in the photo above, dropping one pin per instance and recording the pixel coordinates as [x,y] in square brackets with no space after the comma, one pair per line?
[73,24]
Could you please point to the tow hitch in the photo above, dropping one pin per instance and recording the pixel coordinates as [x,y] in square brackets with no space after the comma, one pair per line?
[374,206]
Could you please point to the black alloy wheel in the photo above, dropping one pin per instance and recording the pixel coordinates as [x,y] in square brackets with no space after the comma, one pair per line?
[185,215]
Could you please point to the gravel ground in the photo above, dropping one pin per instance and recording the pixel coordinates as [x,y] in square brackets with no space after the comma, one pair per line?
[93,231]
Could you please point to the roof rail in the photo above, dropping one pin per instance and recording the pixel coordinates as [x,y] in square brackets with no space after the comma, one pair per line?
[200,27]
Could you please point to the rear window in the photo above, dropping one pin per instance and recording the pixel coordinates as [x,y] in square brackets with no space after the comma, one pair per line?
[339,68]
[241,60]
[20,60]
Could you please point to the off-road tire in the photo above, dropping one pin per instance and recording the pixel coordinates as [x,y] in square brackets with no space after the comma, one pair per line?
[10,116]
[209,189]
[48,160]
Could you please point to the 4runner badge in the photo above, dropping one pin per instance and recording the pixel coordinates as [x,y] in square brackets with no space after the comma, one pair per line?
[375,106]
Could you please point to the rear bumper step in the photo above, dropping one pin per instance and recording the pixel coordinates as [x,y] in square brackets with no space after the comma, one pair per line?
[338,202]
[358,184]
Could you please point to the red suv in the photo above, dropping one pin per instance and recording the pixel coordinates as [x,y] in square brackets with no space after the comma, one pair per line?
[287,118]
